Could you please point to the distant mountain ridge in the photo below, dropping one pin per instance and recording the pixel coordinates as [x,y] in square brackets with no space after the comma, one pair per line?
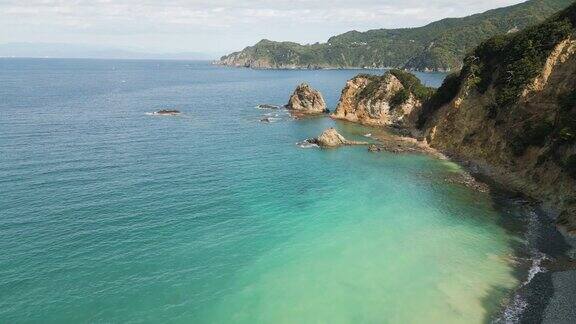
[63,50]
[439,46]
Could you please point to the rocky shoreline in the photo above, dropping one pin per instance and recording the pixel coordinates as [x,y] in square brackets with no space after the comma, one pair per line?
[544,266]
[545,263]
[514,136]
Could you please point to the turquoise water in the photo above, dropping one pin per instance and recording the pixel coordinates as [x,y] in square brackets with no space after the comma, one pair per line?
[111,215]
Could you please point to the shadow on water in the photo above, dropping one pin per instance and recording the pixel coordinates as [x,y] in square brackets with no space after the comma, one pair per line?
[540,246]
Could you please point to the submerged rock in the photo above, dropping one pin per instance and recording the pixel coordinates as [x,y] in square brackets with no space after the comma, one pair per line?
[307,100]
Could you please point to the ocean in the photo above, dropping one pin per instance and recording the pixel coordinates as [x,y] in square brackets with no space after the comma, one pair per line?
[111,215]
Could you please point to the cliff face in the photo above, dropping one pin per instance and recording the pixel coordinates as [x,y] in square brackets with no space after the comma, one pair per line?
[512,111]
[380,100]
[439,46]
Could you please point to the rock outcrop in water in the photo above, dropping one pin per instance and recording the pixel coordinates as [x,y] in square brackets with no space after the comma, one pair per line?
[392,99]
[331,138]
[167,112]
[512,112]
[267,106]
[306,100]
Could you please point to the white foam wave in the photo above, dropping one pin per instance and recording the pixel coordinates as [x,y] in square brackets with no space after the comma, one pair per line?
[157,114]
[267,107]
[306,145]
[536,267]
[514,310]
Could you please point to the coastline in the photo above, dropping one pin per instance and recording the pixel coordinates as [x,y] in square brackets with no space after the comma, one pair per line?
[544,267]
[328,68]
[546,293]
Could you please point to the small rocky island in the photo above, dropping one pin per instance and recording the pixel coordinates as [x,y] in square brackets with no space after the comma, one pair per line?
[267,106]
[330,138]
[306,101]
[167,112]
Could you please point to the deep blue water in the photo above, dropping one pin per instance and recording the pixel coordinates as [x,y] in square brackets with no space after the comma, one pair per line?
[108,214]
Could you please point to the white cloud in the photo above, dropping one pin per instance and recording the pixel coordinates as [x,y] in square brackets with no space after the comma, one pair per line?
[218,25]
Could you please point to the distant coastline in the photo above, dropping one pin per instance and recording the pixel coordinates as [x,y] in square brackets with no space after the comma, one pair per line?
[328,67]
[438,46]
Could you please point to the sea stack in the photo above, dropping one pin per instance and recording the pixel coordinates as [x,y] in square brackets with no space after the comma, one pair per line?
[307,100]
[394,98]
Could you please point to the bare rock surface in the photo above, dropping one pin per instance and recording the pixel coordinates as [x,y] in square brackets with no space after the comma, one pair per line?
[306,100]
[330,138]
[377,101]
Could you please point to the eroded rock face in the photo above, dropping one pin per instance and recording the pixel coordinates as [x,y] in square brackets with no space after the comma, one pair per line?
[307,100]
[528,146]
[378,101]
[331,138]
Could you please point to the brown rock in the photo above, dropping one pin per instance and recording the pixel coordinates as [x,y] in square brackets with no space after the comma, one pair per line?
[331,138]
[374,148]
[378,101]
[306,100]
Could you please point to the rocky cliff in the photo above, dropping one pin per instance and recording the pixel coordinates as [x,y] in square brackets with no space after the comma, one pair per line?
[512,111]
[306,100]
[392,99]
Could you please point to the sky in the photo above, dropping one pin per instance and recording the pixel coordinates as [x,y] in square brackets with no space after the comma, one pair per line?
[214,26]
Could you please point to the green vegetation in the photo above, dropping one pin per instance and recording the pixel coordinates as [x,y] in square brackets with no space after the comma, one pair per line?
[400,98]
[506,64]
[438,46]
[413,84]
[531,135]
[409,81]
[371,89]
[567,118]
[509,63]
[570,165]
[446,93]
